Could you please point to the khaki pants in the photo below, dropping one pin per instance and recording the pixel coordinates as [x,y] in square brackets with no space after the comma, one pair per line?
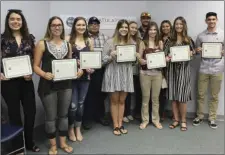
[214,81]
[150,83]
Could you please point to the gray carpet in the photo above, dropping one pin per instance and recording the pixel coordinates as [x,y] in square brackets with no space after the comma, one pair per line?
[100,140]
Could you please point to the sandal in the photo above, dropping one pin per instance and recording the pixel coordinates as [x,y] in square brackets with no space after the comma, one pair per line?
[116,129]
[158,125]
[123,130]
[66,149]
[53,151]
[34,149]
[183,128]
[143,126]
[174,124]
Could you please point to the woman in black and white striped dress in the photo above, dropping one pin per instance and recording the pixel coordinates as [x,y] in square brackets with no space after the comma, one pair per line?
[178,75]
[118,77]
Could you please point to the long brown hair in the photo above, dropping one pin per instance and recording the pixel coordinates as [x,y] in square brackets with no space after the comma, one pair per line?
[116,35]
[185,37]
[48,34]
[161,31]
[73,33]
[146,35]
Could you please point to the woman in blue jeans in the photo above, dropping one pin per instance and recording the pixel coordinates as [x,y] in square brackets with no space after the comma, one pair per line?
[80,42]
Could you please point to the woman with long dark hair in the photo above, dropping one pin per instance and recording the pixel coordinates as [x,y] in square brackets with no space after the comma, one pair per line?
[17,41]
[165,35]
[80,42]
[150,79]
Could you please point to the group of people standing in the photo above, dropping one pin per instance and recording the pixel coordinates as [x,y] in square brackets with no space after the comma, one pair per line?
[71,101]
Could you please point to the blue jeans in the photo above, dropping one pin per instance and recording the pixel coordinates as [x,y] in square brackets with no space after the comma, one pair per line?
[80,89]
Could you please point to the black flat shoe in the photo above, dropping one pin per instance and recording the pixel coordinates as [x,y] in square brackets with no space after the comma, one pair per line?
[34,149]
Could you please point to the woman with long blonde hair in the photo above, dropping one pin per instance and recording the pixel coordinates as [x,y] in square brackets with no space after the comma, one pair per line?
[118,77]
[179,74]
[128,113]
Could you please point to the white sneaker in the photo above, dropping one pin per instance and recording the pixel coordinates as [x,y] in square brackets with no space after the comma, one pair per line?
[125,119]
[130,117]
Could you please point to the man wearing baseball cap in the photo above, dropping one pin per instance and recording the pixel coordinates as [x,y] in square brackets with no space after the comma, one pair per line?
[94,104]
[145,20]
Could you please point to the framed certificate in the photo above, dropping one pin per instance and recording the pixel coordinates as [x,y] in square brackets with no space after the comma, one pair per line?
[90,60]
[17,66]
[126,53]
[98,49]
[212,50]
[180,53]
[156,60]
[64,69]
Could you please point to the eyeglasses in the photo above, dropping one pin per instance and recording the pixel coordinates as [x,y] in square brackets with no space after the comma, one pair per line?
[55,26]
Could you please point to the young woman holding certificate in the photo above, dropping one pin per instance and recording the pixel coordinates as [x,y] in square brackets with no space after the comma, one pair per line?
[150,79]
[179,73]
[118,77]
[80,41]
[16,41]
[55,95]
[133,26]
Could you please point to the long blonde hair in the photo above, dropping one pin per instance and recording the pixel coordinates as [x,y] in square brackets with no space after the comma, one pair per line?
[185,38]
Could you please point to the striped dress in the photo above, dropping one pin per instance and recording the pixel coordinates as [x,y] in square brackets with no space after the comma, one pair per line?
[178,79]
[117,76]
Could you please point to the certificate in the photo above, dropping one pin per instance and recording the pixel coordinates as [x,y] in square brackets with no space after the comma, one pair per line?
[212,50]
[90,60]
[180,53]
[17,66]
[126,53]
[156,60]
[64,69]
[98,49]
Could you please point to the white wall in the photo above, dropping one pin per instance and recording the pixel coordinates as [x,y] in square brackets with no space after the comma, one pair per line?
[193,11]
[37,14]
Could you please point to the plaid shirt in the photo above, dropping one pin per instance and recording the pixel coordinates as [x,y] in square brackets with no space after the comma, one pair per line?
[141,32]
[99,40]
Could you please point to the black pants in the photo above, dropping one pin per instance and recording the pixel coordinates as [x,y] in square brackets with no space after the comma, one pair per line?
[127,110]
[162,102]
[15,91]
[138,95]
[94,107]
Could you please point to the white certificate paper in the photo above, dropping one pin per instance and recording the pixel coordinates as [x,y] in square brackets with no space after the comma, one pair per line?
[90,60]
[126,53]
[212,50]
[17,66]
[64,69]
[156,60]
[180,53]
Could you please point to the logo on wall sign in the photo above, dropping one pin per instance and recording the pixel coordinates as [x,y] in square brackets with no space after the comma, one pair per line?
[69,21]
